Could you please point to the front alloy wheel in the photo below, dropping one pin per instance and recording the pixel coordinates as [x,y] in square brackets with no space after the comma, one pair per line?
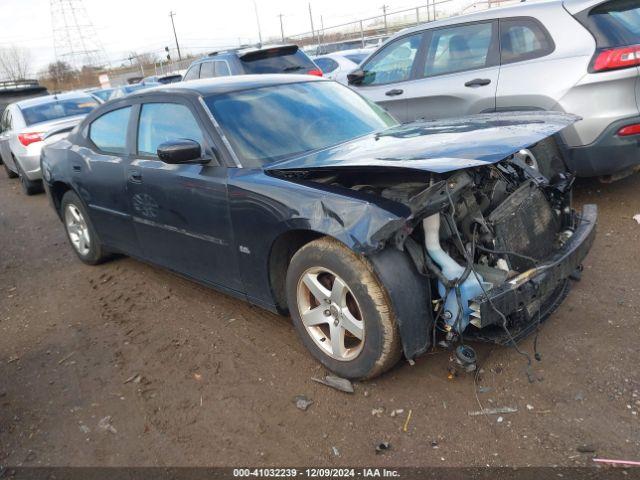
[330,314]
[341,311]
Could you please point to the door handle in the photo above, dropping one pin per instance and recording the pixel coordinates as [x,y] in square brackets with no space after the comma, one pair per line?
[394,92]
[478,82]
[134,176]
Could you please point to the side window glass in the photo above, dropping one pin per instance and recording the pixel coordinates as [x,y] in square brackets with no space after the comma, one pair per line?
[193,73]
[109,132]
[523,39]
[394,62]
[163,122]
[327,65]
[222,69]
[456,49]
[207,70]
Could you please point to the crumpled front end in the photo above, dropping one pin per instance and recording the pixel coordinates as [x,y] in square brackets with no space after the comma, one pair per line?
[490,226]
[500,248]
[495,244]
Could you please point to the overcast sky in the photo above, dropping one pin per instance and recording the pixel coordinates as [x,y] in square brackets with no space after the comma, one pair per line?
[144,25]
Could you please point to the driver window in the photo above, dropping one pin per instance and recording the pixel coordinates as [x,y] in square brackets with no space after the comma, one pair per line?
[394,63]
[163,122]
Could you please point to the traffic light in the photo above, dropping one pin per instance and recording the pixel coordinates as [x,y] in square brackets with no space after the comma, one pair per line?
[166,49]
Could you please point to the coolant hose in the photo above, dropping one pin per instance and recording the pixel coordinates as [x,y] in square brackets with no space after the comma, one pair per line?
[450,268]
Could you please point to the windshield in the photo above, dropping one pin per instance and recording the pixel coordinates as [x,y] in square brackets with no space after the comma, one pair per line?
[276,122]
[58,109]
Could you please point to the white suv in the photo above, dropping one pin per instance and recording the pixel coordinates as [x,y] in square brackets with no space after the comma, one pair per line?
[576,56]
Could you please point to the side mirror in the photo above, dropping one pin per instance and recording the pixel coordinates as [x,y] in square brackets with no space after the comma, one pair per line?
[180,151]
[356,77]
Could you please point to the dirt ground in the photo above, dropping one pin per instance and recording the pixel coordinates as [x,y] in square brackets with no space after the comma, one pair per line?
[212,379]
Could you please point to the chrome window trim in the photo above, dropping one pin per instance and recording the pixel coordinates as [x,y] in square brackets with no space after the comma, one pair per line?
[218,129]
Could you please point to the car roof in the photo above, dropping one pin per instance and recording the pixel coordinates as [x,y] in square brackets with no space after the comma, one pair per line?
[32,102]
[575,6]
[221,85]
[517,9]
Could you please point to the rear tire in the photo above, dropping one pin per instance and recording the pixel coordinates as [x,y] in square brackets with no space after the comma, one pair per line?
[349,325]
[29,187]
[80,232]
[10,173]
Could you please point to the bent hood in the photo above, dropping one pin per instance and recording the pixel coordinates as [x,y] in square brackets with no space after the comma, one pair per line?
[438,146]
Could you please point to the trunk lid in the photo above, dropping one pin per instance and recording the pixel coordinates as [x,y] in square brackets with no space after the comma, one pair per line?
[53,126]
[438,146]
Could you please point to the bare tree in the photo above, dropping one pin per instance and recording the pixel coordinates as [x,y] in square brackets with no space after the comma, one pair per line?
[145,58]
[15,62]
[61,74]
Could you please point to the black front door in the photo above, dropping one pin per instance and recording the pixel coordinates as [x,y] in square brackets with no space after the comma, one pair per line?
[180,212]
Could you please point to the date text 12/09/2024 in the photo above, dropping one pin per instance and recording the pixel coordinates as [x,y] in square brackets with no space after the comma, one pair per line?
[315,472]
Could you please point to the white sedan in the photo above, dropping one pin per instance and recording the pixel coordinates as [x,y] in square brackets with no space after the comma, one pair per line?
[338,65]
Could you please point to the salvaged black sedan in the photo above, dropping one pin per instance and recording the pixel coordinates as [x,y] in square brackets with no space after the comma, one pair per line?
[298,195]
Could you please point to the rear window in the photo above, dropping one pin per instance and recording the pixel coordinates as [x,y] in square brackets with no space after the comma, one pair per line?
[613,24]
[58,109]
[109,132]
[277,60]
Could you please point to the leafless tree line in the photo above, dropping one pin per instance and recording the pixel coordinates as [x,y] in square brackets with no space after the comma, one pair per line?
[15,63]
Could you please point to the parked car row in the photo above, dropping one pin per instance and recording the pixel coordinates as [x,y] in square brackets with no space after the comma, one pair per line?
[26,126]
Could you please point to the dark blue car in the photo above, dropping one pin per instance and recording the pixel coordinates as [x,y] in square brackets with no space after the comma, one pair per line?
[298,195]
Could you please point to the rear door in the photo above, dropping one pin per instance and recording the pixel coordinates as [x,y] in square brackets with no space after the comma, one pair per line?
[391,73]
[459,72]
[180,212]
[99,173]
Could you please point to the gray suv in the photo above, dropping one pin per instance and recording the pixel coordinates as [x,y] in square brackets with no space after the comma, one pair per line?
[576,56]
[251,60]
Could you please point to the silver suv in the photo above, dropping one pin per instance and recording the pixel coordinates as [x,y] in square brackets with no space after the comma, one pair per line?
[577,56]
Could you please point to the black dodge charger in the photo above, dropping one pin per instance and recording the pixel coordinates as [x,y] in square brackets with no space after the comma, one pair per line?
[298,195]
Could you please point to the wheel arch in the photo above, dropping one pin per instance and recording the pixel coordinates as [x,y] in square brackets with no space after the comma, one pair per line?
[283,248]
[410,296]
[408,291]
[57,190]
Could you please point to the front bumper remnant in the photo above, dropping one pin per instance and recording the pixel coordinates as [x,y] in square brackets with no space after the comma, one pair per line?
[527,293]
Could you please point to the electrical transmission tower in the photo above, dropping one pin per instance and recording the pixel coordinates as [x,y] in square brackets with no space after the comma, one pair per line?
[75,40]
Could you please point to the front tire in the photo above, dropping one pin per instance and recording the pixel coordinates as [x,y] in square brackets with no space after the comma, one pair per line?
[341,311]
[80,232]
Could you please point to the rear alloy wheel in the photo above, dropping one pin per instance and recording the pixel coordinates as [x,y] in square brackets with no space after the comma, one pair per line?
[341,311]
[80,231]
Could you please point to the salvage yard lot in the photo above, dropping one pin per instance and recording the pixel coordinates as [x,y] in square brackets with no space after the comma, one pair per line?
[189,376]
